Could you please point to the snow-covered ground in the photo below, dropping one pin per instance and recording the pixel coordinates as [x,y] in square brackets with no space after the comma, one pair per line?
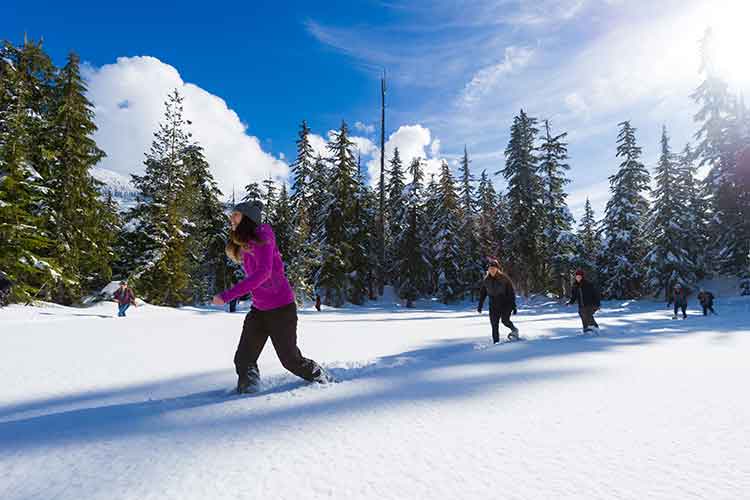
[98,407]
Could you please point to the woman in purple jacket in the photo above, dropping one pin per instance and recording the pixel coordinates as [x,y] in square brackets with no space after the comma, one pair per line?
[274,312]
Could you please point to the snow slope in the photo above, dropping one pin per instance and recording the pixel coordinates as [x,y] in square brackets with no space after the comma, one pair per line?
[98,407]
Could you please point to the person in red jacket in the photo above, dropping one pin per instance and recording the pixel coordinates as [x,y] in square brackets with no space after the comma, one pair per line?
[124,297]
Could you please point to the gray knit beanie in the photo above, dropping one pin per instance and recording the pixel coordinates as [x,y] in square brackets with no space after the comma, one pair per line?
[251,209]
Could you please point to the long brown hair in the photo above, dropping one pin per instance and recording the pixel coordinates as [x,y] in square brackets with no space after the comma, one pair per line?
[240,238]
[499,276]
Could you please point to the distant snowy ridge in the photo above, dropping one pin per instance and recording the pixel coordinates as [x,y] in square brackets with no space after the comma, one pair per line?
[116,185]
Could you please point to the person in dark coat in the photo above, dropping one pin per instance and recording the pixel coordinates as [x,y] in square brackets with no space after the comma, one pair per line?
[585,294]
[679,298]
[5,285]
[124,297]
[707,301]
[498,286]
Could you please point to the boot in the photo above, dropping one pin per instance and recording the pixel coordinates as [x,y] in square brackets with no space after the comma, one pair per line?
[249,381]
[322,376]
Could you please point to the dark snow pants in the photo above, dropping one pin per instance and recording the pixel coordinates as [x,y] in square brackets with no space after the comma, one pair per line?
[683,307]
[587,316]
[496,316]
[706,308]
[281,325]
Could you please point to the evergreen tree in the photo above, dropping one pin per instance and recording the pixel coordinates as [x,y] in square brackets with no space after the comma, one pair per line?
[302,172]
[447,238]
[695,212]
[558,243]
[590,243]
[161,226]
[625,246]
[337,214]
[489,242]
[253,193]
[394,212]
[719,143]
[412,265]
[431,207]
[282,220]
[472,265]
[361,279]
[269,200]
[25,243]
[81,219]
[525,191]
[209,267]
[302,249]
[668,261]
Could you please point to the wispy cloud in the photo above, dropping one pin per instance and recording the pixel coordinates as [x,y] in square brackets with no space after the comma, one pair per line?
[487,79]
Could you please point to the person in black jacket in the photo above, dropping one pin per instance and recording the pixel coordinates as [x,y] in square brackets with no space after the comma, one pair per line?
[706,299]
[585,294]
[679,298]
[499,287]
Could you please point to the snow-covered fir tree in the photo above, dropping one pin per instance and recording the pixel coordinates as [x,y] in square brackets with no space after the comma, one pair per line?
[394,190]
[269,199]
[209,269]
[337,216]
[362,234]
[25,244]
[718,146]
[83,223]
[668,260]
[695,212]
[302,250]
[558,246]
[447,237]
[412,265]
[624,245]
[525,192]
[589,242]
[488,219]
[253,192]
[161,227]
[472,264]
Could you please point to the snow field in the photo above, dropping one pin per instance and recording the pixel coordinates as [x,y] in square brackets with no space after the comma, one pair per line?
[94,406]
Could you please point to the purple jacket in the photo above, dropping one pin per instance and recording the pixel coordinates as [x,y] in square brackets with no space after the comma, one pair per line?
[264,275]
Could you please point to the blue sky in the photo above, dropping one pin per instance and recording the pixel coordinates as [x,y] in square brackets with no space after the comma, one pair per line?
[458,72]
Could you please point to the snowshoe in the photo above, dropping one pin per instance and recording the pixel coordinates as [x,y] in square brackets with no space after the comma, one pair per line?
[513,335]
[323,376]
[249,382]
[674,317]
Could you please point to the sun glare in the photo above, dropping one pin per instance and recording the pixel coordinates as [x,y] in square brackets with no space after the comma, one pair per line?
[729,21]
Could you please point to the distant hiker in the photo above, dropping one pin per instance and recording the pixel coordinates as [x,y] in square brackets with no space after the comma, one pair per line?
[679,298]
[707,301]
[124,297]
[499,287]
[274,311]
[585,294]
[5,285]
[317,301]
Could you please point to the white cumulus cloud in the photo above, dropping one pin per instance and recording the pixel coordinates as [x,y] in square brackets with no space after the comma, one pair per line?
[129,98]
[412,141]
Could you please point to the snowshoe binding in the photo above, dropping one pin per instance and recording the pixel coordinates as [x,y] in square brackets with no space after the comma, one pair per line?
[323,376]
[249,382]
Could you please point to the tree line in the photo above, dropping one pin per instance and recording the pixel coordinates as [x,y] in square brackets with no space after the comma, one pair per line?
[62,237]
